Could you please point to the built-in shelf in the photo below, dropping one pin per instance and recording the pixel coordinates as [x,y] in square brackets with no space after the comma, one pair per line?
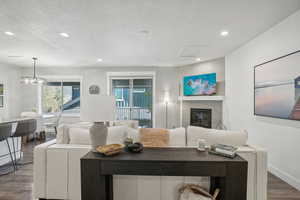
[201,98]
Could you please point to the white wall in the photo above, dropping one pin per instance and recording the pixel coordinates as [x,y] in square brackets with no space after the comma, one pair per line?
[10,77]
[280,137]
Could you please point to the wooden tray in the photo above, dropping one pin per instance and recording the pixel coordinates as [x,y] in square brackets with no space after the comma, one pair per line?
[110,149]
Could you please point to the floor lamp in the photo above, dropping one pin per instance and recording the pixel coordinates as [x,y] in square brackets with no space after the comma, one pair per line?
[166,102]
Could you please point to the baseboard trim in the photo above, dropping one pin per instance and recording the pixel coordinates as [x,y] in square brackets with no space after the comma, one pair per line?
[285,177]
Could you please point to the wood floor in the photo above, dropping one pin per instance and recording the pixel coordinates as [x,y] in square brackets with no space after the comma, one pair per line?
[18,185]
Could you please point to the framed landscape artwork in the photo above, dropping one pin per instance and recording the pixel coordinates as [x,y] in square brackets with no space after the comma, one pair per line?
[1,96]
[204,84]
[277,87]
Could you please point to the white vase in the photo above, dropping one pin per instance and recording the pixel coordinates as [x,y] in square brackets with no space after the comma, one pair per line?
[98,135]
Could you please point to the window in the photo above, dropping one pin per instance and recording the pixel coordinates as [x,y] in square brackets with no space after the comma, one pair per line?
[134,99]
[61,96]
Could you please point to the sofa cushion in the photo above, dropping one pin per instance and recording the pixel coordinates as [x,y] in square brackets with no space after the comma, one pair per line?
[80,135]
[213,136]
[63,135]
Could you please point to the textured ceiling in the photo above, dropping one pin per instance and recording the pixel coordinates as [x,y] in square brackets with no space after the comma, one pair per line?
[131,32]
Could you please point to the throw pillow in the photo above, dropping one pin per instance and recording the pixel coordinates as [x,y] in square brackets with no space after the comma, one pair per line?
[116,134]
[177,137]
[133,134]
[154,137]
[63,131]
[79,136]
[213,136]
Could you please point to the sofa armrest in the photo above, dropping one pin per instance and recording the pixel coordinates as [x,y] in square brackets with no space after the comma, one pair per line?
[63,170]
[261,172]
[39,168]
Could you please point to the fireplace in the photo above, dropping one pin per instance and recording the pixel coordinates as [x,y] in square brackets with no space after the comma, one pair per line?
[201,117]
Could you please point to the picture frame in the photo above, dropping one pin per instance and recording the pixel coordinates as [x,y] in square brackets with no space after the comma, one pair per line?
[200,85]
[277,87]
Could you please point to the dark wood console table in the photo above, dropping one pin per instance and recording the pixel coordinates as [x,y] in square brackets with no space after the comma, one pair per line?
[230,175]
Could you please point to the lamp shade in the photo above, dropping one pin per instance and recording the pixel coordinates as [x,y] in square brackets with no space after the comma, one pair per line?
[98,108]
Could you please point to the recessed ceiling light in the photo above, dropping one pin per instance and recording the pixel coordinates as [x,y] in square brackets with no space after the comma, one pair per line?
[224,33]
[99,60]
[66,35]
[198,59]
[9,33]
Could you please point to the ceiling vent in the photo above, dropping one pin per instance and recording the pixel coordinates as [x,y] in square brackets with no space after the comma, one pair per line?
[192,51]
[15,56]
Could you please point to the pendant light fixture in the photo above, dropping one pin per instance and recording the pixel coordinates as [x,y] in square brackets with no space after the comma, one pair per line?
[33,80]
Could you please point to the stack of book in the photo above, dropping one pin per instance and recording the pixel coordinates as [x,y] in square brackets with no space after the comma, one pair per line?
[223,150]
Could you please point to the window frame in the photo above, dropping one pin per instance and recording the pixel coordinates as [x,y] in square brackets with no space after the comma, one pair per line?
[58,79]
[135,75]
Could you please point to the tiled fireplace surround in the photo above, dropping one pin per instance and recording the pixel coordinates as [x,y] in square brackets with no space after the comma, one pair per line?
[215,106]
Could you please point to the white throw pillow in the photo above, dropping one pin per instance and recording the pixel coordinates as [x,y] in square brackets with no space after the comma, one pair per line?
[62,137]
[115,135]
[133,134]
[177,137]
[79,136]
[63,131]
[213,136]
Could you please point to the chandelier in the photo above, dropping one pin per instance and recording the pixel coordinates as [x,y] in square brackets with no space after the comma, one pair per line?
[33,80]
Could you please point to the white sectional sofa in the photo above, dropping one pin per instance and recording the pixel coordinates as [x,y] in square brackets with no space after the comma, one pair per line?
[57,171]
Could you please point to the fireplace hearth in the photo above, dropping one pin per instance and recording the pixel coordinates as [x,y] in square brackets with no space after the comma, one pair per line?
[201,117]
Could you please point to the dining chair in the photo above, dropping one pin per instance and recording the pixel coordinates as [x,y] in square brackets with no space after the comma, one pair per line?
[5,133]
[24,128]
[54,124]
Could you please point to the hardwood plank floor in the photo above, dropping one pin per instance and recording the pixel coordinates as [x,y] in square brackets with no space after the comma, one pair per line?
[279,190]
[18,185]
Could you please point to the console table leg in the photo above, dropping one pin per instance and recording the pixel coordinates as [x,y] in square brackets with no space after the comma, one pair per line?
[93,184]
[236,181]
[109,187]
[218,183]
